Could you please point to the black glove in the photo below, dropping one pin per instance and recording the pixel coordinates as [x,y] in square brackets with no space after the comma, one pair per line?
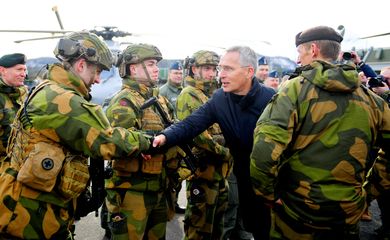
[154,150]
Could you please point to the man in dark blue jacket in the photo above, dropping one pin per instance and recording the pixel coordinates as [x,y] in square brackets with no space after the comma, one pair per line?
[236,107]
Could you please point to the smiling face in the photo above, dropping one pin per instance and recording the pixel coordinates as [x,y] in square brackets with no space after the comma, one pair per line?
[235,78]
[14,76]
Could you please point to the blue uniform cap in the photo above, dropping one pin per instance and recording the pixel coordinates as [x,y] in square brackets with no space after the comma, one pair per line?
[13,59]
[262,61]
[273,74]
[176,66]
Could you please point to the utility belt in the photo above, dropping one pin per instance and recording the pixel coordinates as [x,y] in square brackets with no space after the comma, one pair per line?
[125,167]
[47,168]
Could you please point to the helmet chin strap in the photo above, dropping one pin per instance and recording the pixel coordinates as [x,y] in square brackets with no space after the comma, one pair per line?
[148,80]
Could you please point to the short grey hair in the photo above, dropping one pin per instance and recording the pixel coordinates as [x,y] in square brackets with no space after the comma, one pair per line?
[248,57]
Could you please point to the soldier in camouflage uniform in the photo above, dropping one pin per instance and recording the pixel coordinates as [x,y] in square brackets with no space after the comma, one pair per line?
[136,193]
[12,94]
[312,141]
[207,192]
[52,136]
[384,199]
[171,89]
[236,107]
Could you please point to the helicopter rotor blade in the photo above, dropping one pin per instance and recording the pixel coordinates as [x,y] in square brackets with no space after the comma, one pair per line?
[35,39]
[35,31]
[377,35]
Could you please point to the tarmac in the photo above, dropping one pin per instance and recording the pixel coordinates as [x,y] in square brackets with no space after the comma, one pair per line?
[88,228]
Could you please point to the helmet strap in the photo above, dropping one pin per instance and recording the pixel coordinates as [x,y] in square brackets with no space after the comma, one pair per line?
[148,78]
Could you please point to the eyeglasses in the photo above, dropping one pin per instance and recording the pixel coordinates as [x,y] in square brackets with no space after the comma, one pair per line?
[228,69]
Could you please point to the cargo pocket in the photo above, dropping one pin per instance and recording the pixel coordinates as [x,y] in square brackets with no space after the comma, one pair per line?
[74,176]
[208,173]
[41,167]
[124,167]
[153,165]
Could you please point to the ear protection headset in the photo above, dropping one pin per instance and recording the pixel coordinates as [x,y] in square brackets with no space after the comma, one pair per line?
[69,49]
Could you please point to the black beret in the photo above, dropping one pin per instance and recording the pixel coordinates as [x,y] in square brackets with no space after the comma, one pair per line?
[13,59]
[318,33]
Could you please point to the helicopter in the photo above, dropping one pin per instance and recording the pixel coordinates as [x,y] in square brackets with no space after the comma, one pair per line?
[110,80]
[376,57]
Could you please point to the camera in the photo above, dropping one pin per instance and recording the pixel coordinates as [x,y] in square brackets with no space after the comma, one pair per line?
[348,56]
[378,81]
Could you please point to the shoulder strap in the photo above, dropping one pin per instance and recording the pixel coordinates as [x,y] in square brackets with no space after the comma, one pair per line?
[32,93]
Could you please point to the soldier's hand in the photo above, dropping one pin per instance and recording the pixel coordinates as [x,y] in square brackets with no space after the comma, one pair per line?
[154,150]
[146,156]
[159,140]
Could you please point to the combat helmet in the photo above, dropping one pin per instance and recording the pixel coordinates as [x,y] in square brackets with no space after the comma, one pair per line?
[86,45]
[200,58]
[136,53]
[203,57]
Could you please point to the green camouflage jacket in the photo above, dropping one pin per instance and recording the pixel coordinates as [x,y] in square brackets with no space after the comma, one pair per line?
[209,144]
[171,92]
[124,110]
[11,98]
[312,141]
[59,115]
[61,112]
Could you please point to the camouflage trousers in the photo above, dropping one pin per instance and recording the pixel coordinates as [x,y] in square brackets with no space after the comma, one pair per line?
[285,227]
[136,215]
[207,202]
[27,214]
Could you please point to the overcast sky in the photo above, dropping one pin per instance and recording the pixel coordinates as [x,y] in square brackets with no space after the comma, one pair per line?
[181,27]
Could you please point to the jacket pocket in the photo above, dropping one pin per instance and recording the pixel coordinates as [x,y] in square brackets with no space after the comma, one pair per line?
[41,167]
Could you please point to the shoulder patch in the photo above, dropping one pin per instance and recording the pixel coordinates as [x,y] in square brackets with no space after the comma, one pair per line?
[123,103]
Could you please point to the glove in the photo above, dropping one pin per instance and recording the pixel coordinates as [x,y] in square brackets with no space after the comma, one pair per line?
[154,150]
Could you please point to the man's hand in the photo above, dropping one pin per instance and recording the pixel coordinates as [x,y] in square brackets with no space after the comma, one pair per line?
[159,140]
[146,156]
[380,90]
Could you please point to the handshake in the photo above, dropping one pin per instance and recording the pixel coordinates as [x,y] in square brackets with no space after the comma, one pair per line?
[168,152]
